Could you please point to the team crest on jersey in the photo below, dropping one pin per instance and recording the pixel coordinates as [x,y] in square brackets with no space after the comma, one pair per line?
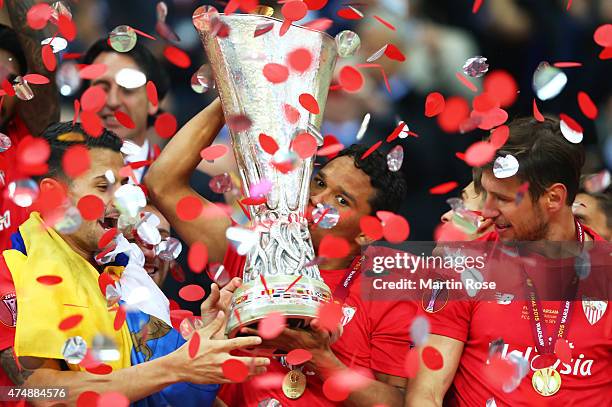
[5,220]
[593,309]
[8,313]
[504,299]
[349,313]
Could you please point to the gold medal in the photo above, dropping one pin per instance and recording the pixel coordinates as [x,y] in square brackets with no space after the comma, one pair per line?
[294,384]
[263,10]
[546,382]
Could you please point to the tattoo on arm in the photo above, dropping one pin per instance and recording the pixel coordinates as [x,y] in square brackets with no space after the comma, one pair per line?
[44,109]
[17,374]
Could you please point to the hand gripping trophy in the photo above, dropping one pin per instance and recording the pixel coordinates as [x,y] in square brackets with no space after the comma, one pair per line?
[283,257]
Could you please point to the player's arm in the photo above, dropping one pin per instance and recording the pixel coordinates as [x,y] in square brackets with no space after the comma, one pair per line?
[168,182]
[44,109]
[428,388]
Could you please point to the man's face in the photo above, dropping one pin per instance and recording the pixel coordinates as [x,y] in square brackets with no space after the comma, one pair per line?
[8,70]
[133,102]
[347,188]
[472,202]
[589,213]
[95,182]
[527,221]
[156,267]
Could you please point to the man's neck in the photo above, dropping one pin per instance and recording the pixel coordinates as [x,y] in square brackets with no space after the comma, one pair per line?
[336,264]
[140,139]
[78,250]
[561,238]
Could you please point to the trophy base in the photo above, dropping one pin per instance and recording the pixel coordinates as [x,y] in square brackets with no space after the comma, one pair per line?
[251,303]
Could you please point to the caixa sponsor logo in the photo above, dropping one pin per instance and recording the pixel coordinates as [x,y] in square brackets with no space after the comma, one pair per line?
[5,220]
[577,367]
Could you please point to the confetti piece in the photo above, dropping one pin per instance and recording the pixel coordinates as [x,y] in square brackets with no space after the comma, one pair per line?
[67,27]
[87,399]
[350,13]
[536,112]
[305,145]
[309,103]
[191,292]
[300,59]
[587,106]
[499,136]
[152,93]
[239,122]
[385,23]
[333,247]
[36,79]
[92,124]
[434,104]
[194,344]
[119,318]
[291,113]
[351,79]
[49,280]
[478,154]
[75,160]
[371,150]
[502,86]
[603,35]
[569,4]
[177,57]
[166,125]
[38,16]
[294,10]
[93,99]
[113,399]
[262,29]
[371,227]
[466,82]
[271,325]
[91,207]
[443,188]
[411,366]
[456,110]
[298,356]
[197,257]
[189,207]
[268,144]
[329,315]
[567,64]
[315,4]
[275,73]
[563,350]
[320,24]
[392,52]
[107,237]
[214,152]
[484,102]
[396,229]
[606,53]
[144,34]
[33,151]
[432,358]
[125,120]
[235,370]
[70,322]
[90,72]
[476,6]
[48,57]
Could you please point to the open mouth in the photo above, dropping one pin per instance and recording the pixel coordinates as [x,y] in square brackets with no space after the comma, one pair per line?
[108,221]
[502,228]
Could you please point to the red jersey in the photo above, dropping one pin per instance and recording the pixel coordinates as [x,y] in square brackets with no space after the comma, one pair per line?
[585,381]
[11,215]
[375,338]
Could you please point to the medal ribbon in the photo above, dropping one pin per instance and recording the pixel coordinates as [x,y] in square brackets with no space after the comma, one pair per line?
[563,316]
[341,291]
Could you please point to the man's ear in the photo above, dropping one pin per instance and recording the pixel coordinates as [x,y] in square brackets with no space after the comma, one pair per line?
[555,197]
[363,240]
[53,187]
[152,109]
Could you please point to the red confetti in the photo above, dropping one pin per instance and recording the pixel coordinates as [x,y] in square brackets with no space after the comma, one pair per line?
[333,247]
[48,58]
[371,227]
[7,87]
[434,104]
[371,150]
[197,257]
[466,82]
[571,123]
[567,64]
[36,79]
[411,366]
[606,53]
[329,315]
[188,208]
[87,399]
[331,147]
[320,24]
[298,356]
[166,125]
[76,160]
[254,200]
[89,72]
[563,350]
[194,345]
[444,188]
[107,237]
[309,103]
[125,120]
[235,370]
[300,59]
[536,112]
[92,124]
[476,6]
[93,99]
[392,52]
[113,399]
[456,110]
[66,27]
[396,229]
[603,35]
[502,86]
[569,4]
[484,102]
[38,16]
[294,10]
[268,144]
[304,145]
[385,23]
[91,207]
[291,113]
[351,79]
[101,369]
[49,280]
[238,122]
[275,73]
[272,325]
[432,358]
[499,136]
[192,292]
[492,118]
[119,318]
[152,93]
[587,106]
[478,154]
[33,151]
[70,322]
[350,13]
[77,110]
[177,57]
[213,152]
[315,4]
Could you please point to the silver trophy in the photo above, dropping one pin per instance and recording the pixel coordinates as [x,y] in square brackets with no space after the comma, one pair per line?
[284,256]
